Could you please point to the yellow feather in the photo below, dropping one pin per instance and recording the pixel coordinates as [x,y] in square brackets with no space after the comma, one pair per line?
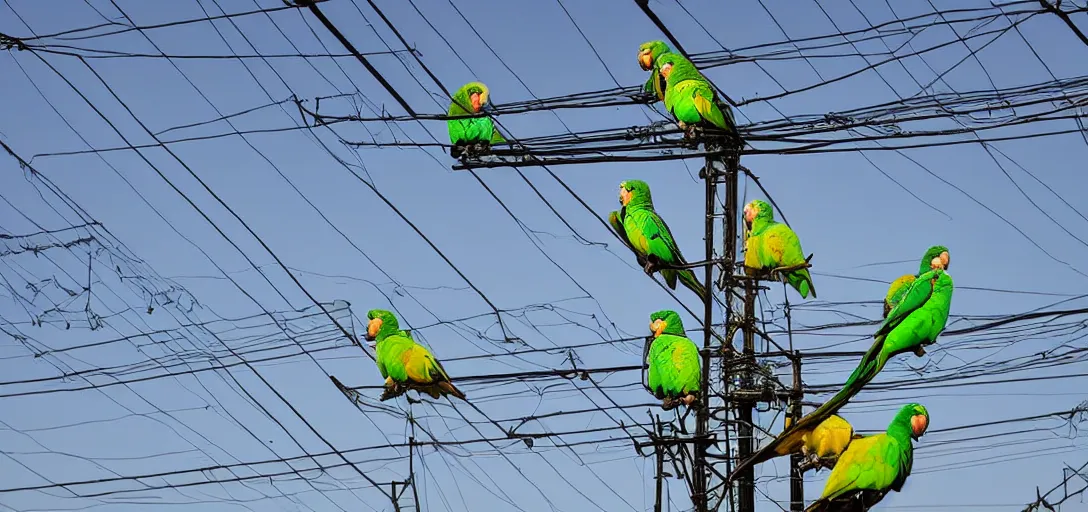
[830,438]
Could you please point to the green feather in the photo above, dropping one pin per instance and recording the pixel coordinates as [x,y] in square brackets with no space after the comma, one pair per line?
[872,466]
[472,129]
[649,237]
[917,321]
[773,245]
[690,97]
[398,356]
[673,360]
[898,288]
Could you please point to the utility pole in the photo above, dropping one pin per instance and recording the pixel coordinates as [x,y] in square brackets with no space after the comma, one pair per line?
[797,481]
[746,492]
[737,389]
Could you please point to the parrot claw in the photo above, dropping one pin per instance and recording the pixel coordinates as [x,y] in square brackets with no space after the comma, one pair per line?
[472,151]
[392,389]
[919,351]
[813,461]
[692,134]
[669,404]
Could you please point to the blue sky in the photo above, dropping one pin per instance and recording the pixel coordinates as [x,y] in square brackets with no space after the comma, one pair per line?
[343,242]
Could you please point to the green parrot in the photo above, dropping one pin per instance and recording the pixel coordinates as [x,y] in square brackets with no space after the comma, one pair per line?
[872,466]
[915,322]
[648,53]
[772,245]
[403,362]
[480,132]
[646,233]
[690,98]
[674,374]
[898,288]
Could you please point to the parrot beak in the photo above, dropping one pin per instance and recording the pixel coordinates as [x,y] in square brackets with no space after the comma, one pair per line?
[372,328]
[475,99]
[666,70]
[657,326]
[645,60]
[918,425]
[625,196]
[945,259]
[936,263]
[749,215]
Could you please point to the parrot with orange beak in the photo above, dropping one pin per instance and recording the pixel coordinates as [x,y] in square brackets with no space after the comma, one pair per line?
[691,99]
[473,135]
[771,245]
[648,53]
[898,288]
[872,466]
[404,363]
[647,235]
[673,360]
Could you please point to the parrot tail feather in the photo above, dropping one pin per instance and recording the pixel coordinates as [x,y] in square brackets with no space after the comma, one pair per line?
[449,389]
[670,278]
[801,281]
[688,278]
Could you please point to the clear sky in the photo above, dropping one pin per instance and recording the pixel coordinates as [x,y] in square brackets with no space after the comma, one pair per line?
[229,324]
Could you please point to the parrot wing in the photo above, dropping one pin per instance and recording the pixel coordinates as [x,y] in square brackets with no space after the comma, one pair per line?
[681,372]
[615,219]
[424,369]
[709,111]
[457,130]
[380,361]
[659,238]
[915,297]
[496,137]
[655,84]
[871,463]
[421,365]
[896,290]
[782,248]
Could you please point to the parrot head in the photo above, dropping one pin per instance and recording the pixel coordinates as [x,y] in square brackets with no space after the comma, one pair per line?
[380,321]
[636,191]
[935,257]
[666,321]
[918,418]
[757,209]
[472,97]
[648,53]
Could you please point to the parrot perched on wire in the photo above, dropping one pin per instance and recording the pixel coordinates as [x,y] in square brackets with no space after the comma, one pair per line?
[647,235]
[874,465]
[915,321]
[479,133]
[404,363]
[771,245]
[673,359]
[690,97]
[648,53]
[898,288]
